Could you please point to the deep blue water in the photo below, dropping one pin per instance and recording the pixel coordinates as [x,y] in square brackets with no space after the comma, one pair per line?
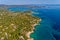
[49,28]
[50,25]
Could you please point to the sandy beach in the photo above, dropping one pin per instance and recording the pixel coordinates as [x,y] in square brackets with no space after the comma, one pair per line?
[28,34]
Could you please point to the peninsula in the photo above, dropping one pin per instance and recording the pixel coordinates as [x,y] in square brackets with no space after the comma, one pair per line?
[17,25]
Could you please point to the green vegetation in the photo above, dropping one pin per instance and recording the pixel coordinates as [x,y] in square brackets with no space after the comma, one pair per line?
[15,25]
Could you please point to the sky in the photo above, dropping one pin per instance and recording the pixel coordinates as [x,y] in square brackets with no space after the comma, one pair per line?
[22,2]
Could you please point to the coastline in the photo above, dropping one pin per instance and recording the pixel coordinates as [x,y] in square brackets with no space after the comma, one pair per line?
[28,34]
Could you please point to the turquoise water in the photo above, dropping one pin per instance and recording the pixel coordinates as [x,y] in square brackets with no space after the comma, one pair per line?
[44,30]
[49,28]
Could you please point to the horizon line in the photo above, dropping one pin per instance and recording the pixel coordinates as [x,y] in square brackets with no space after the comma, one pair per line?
[29,4]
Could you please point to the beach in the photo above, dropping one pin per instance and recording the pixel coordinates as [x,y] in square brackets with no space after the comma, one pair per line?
[28,34]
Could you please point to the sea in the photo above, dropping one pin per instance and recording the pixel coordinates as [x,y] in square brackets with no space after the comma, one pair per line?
[49,28]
